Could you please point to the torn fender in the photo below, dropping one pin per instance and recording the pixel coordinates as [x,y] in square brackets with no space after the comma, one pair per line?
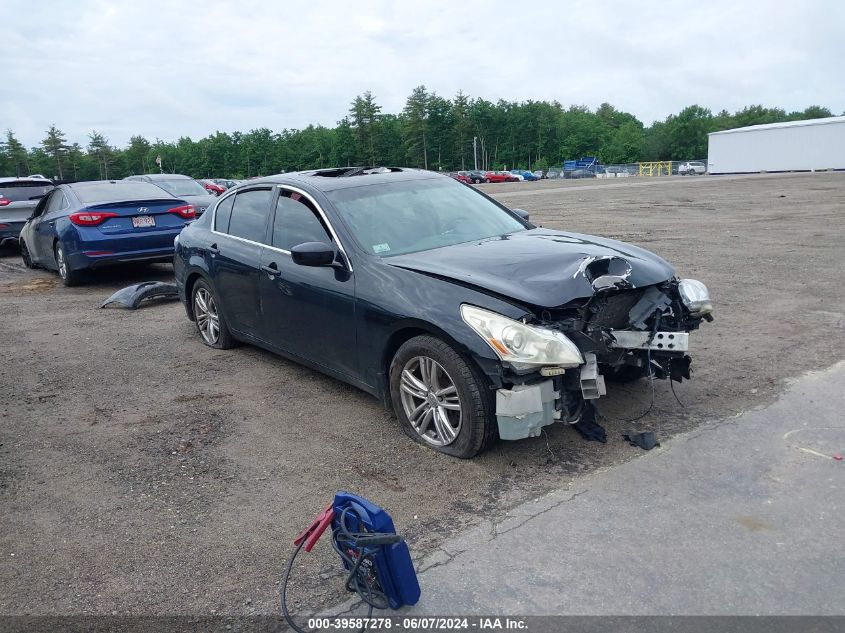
[132,296]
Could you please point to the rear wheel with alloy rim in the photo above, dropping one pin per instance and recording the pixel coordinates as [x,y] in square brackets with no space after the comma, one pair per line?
[211,323]
[440,399]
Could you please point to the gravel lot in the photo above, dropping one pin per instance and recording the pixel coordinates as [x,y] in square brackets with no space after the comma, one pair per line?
[143,473]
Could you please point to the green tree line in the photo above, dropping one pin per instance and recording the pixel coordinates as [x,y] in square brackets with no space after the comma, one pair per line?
[431,132]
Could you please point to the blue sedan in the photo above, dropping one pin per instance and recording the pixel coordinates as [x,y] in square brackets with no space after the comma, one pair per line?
[86,225]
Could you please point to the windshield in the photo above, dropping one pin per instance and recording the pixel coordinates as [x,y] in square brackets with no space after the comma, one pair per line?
[418,215]
[182,187]
[21,190]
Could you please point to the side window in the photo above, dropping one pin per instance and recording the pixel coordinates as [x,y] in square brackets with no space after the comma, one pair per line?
[41,206]
[56,202]
[222,215]
[296,222]
[249,214]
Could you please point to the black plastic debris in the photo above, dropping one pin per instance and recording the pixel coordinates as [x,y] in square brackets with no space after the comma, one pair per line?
[132,296]
[588,428]
[646,440]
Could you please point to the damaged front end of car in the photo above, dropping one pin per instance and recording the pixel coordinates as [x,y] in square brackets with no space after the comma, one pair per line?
[555,361]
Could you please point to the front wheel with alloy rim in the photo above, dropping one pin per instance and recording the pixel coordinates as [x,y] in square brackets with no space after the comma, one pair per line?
[68,276]
[210,321]
[440,399]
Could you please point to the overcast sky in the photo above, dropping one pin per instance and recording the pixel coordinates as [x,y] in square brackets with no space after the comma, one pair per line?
[170,69]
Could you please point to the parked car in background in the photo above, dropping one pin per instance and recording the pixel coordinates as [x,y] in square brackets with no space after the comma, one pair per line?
[554,174]
[87,225]
[517,175]
[226,183]
[18,198]
[460,176]
[539,174]
[499,176]
[580,173]
[692,168]
[467,320]
[526,175]
[476,176]
[212,187]
[183,187]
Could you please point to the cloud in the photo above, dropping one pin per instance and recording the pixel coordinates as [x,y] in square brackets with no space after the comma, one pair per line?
[171,69]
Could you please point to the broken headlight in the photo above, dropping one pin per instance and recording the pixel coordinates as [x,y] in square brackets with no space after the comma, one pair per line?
[523,346]
[695,296]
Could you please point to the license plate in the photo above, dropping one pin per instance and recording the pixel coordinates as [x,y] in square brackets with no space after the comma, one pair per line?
[143,221]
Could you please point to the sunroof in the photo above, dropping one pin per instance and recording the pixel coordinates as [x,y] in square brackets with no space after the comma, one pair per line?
[345,172]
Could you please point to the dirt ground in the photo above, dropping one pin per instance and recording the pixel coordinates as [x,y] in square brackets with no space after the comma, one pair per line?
[144,473]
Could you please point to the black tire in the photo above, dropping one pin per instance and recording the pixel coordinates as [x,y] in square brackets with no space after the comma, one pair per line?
[624,373]
[25,256]
[223,338]
[68,276]
[477,429]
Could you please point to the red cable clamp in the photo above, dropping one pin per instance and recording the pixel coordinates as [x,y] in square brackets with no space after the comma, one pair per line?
[313,532]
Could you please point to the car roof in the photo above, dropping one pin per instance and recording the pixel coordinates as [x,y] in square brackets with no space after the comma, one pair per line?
[166,176]
[36,180]
[347,177]
[85,184]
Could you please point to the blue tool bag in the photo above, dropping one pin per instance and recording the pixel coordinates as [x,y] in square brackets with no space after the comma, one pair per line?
[364,537]
[377,561]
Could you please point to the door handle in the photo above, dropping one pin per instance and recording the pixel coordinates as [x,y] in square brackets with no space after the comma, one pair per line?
[272,270]
[213,249]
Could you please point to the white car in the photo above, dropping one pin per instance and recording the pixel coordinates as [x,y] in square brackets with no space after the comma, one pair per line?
[692,168]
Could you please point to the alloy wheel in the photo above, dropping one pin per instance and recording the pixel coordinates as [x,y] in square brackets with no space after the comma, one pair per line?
[61,262]
[430,400]
[208,320]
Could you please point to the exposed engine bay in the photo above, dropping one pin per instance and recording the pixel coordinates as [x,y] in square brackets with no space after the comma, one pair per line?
[623,333]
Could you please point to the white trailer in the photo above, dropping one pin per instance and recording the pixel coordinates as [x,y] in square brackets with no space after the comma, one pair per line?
[813,145]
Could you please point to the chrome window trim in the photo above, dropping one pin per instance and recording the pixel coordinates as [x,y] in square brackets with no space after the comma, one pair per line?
[275,248]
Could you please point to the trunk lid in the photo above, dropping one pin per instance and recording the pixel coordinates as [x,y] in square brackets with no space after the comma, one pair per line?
[139,216]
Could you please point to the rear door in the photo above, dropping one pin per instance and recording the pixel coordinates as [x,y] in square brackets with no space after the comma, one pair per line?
[240,232]
[45,230]
[306,311]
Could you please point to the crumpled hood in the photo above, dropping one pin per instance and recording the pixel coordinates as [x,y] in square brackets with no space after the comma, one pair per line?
[540,267]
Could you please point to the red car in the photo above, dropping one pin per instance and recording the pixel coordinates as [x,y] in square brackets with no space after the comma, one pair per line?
[461,176]
[499,176]
[212,187]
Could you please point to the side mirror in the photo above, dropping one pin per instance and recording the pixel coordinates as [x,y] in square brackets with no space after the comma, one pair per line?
[313,254]
[521,213]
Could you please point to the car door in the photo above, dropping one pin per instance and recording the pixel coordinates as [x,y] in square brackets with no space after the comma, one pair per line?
[240,230]
[28,232]
[307,311]
[45,230]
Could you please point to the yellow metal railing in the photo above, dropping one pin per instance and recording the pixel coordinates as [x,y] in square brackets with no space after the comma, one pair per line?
[656,168]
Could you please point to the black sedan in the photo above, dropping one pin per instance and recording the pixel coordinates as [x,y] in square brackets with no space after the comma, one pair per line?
[451,308]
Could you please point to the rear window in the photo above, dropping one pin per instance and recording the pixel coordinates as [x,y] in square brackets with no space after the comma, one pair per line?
[182,187]
[21,190]
[117,191]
